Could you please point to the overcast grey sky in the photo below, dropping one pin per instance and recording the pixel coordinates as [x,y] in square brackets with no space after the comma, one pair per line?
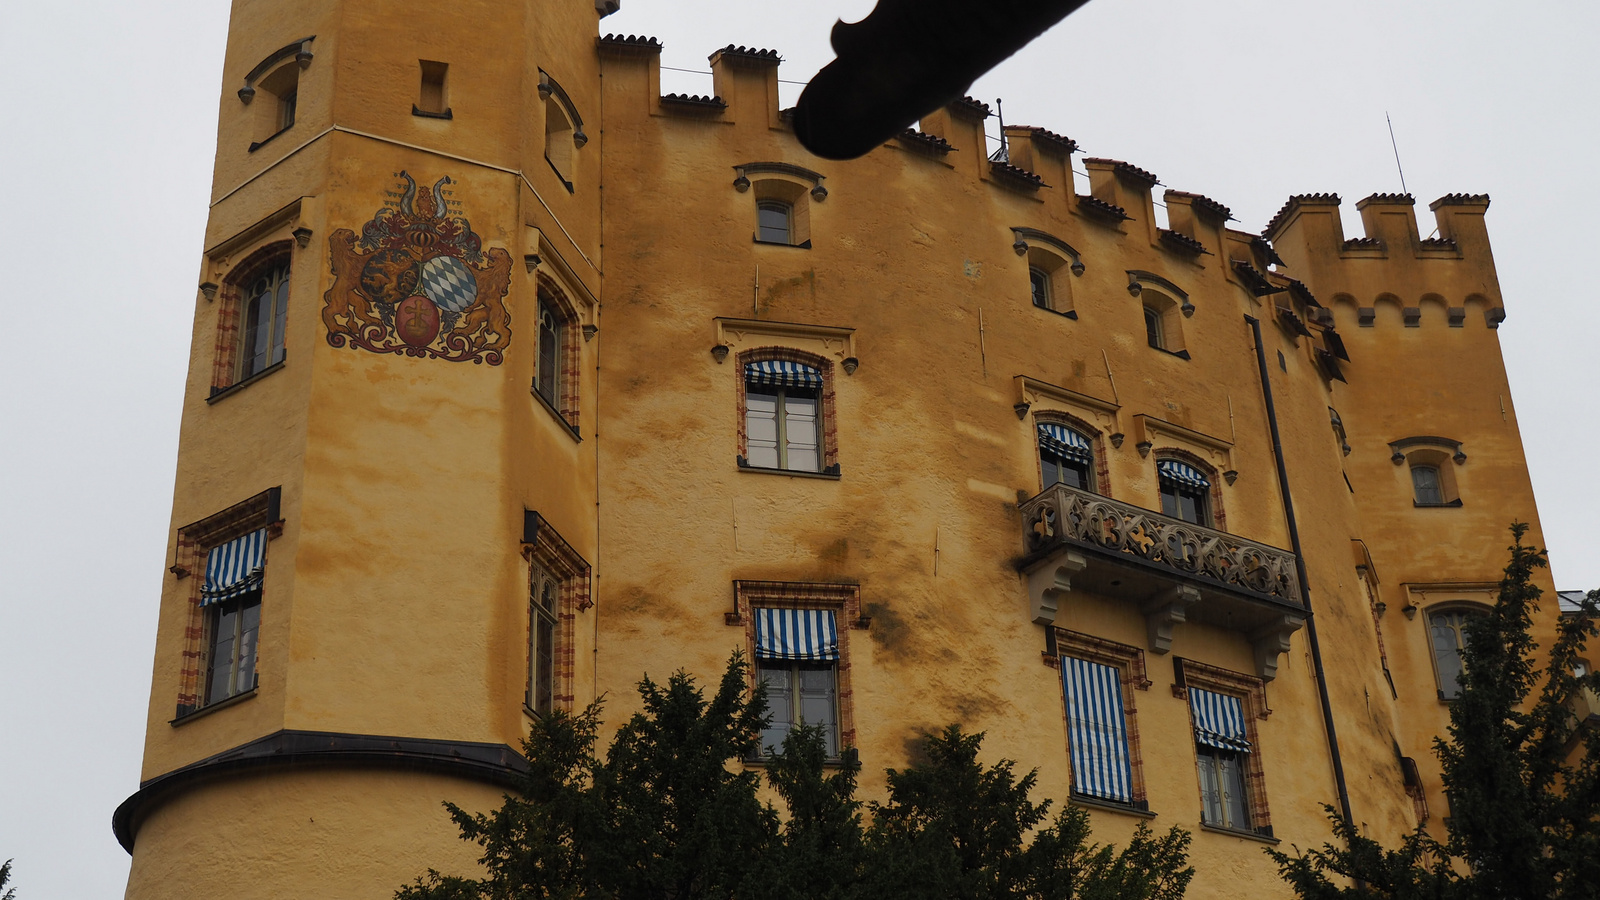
[106,153]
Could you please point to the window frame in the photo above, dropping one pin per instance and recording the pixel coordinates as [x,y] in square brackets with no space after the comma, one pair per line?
[216,613]
[826,413]
[229,355]
[1129,661]
[1467,610]
[552,562]
[195,542]
[1096,475]
[843,599]
[280,269]
[795,715]
[1209,505]
[562,399]
[539,697]
[1252,695]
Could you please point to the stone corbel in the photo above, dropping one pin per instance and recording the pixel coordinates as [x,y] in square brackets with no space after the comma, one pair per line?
[1272,641]
[1165,612]
[1049,583]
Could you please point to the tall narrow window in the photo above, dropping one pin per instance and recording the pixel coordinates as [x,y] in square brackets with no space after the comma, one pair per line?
[782,416]
[231,598]
[433,99]
[1153,331]
[1185,492]
[1425,483]
[1221,745]
[558,141]
[1066,456]
[547,375]
[286,109]
[1039,283]
[543,591]
[264,314]
[1447,629]
[775,222]
[797,657]
[1097,730]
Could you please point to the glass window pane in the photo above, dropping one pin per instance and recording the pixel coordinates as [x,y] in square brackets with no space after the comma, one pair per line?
[1040,283]
[545,665]
[280,314]
[1210,788]
[761,429]
[1232,778]
[549,353]
[1050,469]
[1152,328]
[772,221]
[803,444]
[1169,501]
[1425,479]
[779,679]
[1076,475]
[1446,632]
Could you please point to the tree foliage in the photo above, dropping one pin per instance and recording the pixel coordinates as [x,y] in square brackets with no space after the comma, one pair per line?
[671,813]
[1523,780]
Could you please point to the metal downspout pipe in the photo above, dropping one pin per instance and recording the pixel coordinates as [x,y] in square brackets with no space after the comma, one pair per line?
[1300,572]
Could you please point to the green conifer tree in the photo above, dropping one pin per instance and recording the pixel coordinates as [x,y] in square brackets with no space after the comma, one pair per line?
[1523,780]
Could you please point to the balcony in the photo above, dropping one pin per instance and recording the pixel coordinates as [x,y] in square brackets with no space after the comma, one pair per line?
[1170,570]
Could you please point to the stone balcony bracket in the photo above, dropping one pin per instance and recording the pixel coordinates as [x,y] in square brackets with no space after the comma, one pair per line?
[1170,571]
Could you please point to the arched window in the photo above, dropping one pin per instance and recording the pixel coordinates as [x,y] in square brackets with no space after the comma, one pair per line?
[1446,631]
[263,317]
[1066,456]
[552,334]
[1185,492]
[783,403]
[775,222]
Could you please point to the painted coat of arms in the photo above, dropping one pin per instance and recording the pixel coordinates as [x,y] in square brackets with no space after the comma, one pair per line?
[417,281]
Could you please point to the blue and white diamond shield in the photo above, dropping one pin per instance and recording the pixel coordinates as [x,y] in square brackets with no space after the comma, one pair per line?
[448,282]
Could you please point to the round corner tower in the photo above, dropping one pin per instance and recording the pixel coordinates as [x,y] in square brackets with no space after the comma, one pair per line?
[382,442]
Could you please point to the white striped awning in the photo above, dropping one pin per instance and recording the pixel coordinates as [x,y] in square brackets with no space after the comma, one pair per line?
[778,373]
[1097,730]
[234,569]
[1183,473]
[1218,720]
[1065,443]
[808,634]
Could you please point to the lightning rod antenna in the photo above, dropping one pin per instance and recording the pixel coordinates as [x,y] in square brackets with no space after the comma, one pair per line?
[1396,147]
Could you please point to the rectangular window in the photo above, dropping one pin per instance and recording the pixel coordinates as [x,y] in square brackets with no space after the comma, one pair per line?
[1185,492]
[1097,730]
[797,657]
[265,313]
[432,97]
[782,428]
[1222,747]
[231,599]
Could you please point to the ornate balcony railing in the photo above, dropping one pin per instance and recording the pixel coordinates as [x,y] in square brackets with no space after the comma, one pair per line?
[1068,517]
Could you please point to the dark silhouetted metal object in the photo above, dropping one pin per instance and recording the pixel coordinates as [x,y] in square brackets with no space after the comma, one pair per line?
[909,58]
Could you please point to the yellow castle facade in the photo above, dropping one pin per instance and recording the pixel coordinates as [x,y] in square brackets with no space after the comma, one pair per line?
[513,380]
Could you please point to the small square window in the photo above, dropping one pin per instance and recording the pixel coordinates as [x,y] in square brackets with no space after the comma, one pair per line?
[1425,484]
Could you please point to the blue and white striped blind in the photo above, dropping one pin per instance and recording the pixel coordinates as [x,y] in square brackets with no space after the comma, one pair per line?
[234,569]
[775,373]
[1097,730]
[1182,473]
[805,634]
[1218,720]
[1065,443]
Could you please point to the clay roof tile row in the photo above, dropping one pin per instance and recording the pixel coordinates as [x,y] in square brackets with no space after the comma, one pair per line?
[1294,203]
[1098,207]
[1048,137]
[1180,241]
[1127,169]
[629,43]
[924,141]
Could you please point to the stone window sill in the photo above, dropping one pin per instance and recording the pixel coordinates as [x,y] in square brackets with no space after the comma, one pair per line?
[257,145]
[219,393]
[803,245]
[213,707]
[1064,313]
[831,474]
[1110,806]
[559,417]
[1238,833]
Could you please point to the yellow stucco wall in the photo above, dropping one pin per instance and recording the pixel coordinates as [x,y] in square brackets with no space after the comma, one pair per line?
[395,599]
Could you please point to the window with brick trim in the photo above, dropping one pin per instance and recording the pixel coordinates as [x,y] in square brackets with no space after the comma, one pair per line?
[798,636]
[224,559]
[557,351]
[1098,680]
[1224,709]
[558,590]
[253,317]
[1189,487]
[786,416]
